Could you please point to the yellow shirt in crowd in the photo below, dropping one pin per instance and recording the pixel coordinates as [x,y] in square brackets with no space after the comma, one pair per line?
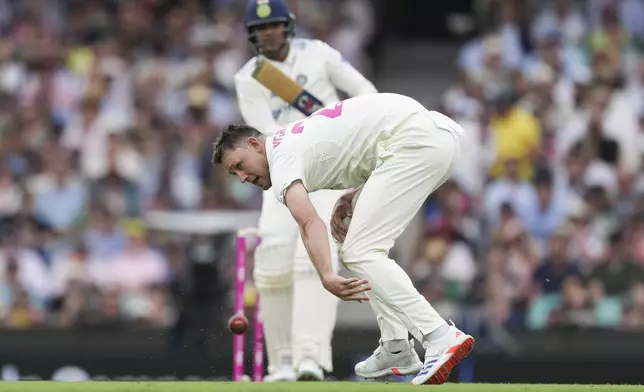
[517,135]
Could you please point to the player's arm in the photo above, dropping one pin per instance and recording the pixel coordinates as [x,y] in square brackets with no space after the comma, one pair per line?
[253,105]
[312,228]
[343,75]
[314,236]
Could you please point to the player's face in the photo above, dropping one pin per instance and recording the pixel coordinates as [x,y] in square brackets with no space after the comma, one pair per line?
[248,162]
[271,37]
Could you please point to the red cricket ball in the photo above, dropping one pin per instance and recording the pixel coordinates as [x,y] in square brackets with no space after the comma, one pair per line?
[238,324]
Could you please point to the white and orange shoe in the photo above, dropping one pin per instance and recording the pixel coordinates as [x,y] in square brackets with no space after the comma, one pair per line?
[443,355]
[385,363]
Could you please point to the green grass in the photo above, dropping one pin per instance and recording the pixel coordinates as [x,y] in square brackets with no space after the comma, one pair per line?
[37,386]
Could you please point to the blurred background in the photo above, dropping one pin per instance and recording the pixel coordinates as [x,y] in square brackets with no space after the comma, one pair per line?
[117,236]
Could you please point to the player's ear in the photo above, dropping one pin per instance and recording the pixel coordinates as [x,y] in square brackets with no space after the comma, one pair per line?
[255,143]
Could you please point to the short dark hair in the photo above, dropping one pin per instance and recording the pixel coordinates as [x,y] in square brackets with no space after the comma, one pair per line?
[230,136]
[543,176]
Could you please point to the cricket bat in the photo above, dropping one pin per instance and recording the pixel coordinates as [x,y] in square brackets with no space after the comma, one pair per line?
[286,88]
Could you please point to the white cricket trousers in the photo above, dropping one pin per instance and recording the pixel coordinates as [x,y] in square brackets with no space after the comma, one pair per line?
[298,313]
[418,159]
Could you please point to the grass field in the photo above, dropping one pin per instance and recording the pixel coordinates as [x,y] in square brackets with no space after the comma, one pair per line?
[37,386]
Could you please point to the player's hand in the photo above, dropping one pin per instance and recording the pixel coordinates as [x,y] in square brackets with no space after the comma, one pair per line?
[352,289]
[341,210]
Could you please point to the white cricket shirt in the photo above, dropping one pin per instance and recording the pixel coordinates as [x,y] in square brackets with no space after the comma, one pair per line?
[316,66]
[338,147]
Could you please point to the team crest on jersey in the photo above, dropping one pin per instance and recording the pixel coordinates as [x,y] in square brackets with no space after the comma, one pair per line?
[301,79]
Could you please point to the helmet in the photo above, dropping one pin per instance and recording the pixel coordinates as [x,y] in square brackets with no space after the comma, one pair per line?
[259,12]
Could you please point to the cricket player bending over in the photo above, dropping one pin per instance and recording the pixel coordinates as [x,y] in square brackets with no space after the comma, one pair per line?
[393,153]
[298,313]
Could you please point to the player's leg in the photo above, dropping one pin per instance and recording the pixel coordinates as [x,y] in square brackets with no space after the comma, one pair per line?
[418,161]
[273,276]
[314,308]
[395,354]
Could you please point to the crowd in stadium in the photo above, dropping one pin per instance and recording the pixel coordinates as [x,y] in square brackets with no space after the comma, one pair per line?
[544,224]
[108,110]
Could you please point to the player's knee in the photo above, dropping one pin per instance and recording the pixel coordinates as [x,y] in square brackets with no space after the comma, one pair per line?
[303,268]
[273,268]
[352,254]
[272,281]
[274,255]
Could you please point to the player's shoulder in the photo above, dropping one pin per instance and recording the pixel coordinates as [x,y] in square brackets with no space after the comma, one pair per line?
[308,45]
[282,141]
[245,73]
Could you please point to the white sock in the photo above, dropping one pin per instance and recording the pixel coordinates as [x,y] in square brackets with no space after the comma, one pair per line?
[395,346]
[435,335]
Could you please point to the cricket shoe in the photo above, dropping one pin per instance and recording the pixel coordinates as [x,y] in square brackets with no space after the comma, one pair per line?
[385,363]
[283,374]
[443,355]
[309,370]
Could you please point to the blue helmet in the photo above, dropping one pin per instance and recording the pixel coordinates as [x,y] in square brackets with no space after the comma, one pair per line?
[259,12]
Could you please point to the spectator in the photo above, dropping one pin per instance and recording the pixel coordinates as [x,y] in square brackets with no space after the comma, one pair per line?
[510,265]
[103,237]
[576,309]
[486,62]
[545,207]
[604,221]
[618,274]
[120,158]
[611,39]
[73,275]
[136,274]
[58,186]
[450,207]
[464,99]
[516,135]
[11,194]
[634,315]
[12,72]
[567,21]
[445,269]
[120,196]
[509,190]
[24,284]
[586,245]
[568,63]
[556,266]
[149,136]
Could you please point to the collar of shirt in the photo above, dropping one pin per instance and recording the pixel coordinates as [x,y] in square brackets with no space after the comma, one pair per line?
[269,149]
[290,57]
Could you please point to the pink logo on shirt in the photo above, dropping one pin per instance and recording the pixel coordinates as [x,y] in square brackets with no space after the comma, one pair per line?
[299,126]
[277,138]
